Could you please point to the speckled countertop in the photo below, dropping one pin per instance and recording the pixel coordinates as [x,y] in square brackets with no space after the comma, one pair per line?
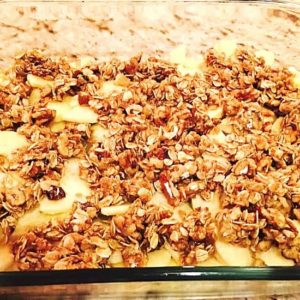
[122,29]
[225,290]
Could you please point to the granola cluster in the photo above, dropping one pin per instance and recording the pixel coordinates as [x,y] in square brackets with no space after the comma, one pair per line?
[229,132]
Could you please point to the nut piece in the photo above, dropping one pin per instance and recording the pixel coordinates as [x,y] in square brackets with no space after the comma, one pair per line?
[55,193]
[43,116]
[83,99]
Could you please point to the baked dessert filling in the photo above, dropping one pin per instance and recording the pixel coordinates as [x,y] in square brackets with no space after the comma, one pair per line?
[150,162]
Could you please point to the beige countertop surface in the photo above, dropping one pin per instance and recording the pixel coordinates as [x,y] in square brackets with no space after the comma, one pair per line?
[105,29]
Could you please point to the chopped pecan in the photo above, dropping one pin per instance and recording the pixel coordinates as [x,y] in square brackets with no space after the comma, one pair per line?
[55,193]
[43,116]
[164,180]
[83,99]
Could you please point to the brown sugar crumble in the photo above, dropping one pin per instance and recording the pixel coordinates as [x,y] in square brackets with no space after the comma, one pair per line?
[181,161]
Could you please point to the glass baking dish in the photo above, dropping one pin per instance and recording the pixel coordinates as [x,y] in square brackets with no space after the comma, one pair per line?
[121,29]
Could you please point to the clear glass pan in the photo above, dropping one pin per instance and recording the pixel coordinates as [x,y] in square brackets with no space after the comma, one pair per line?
[117,28]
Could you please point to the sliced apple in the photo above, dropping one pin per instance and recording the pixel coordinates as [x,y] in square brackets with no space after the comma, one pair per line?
[72,101]
[69,112]
[7,258]
[33,219]
[110,87]
[273,258]
[159,258]
[211,262]
[226,126]
[158,199]
[174,254]
[277,125]
[215,112]
[186,65]
[35,96]
[173,263]
[83,62]
[232,255]
[119,265]
[57,127]
[74,187]
[71,182]
[60,108]
[226,47]
[81,114]
[115,210]
[217,135]
[268,56]
[38,82]
[181,211]
[191,66]
[178,54]
[122,81]
[99,133]
[296,81]
[116,257]
[56,207]
[213,204]
[11,141]
[296,78]
[12,180]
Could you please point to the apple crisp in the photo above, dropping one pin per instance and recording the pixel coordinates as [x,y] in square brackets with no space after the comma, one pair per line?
[150,162]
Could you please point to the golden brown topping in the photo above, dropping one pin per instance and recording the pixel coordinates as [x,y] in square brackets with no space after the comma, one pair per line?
[178,161]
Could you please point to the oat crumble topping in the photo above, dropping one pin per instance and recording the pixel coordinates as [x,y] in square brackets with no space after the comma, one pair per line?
[174,161]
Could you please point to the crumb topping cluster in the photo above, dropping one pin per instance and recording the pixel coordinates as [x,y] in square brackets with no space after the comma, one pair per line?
[181,161]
